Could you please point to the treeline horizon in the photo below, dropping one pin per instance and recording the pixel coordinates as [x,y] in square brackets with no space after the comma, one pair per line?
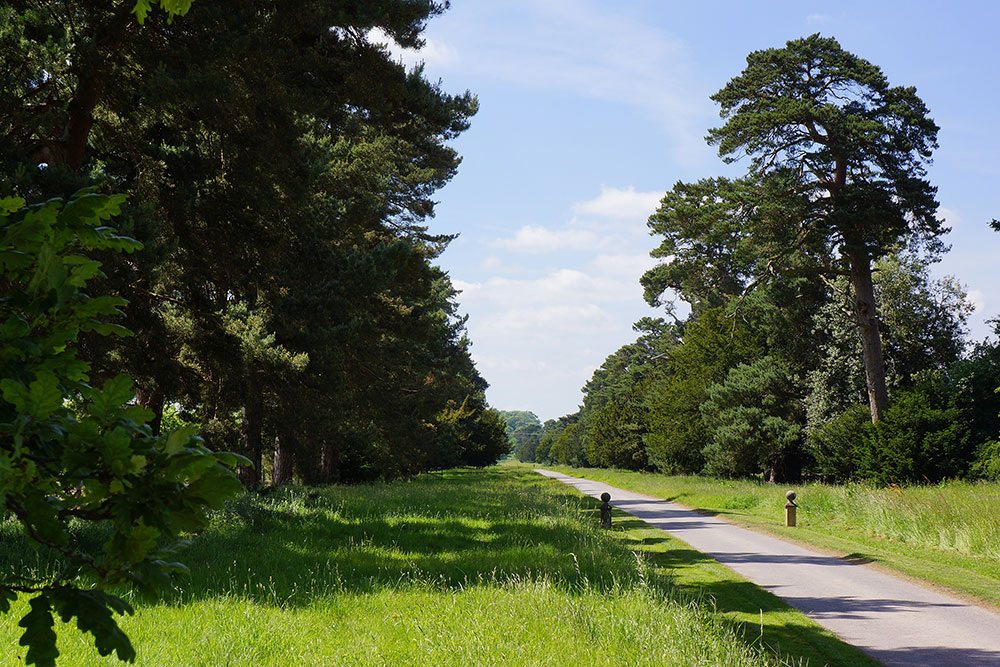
[279,168]
[817,344]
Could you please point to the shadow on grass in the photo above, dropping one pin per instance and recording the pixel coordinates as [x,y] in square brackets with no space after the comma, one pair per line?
[445,530]
[753,613]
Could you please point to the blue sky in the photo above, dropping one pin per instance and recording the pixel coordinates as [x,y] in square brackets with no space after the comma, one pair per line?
[591,110]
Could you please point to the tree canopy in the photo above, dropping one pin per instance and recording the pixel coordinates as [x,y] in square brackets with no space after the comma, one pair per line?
[812,310]
[852,149]
[271,169]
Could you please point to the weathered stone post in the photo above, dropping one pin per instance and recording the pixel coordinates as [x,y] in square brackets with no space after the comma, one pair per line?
[790,509]
[606,510]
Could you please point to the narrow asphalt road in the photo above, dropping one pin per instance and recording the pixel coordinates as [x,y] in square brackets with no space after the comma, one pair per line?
[895,621]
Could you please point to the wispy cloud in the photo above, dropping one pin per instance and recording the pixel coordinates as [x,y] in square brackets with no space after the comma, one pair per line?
[620,203]
[541,239]
[615,219]
[591,50]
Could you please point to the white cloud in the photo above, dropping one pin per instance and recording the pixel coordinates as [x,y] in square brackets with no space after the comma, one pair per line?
[559,286]
[541,239]
[550,321]
[615,219]
[433,52]
[818,18]
[592,50]
[623,266]
[978,299]
[492,263]
[949,217]
[620,203]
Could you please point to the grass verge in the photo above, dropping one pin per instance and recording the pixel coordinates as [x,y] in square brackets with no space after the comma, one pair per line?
[464,567]
[944,534]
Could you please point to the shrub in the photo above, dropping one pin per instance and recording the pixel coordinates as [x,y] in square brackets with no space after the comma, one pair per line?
[923,436]
[835,445]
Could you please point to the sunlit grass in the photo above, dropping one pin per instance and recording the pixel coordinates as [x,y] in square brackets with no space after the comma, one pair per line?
[946,533]
[497,567]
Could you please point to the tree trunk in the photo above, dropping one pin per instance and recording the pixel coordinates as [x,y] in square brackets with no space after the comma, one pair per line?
[250,437]
[866,319]
[282,471]
[329,463]
[152,400]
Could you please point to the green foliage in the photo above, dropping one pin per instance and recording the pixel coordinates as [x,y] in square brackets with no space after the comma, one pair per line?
[287,291]
[974,382]
[824,131]
[835,445]
[74,452]
[171,7]
[922,324]
[523,430]
[711,257]
[987,463]
[568,447]
[474,434]
[832,117]
[713,343]
[615,436]
[924,436]
[754,422]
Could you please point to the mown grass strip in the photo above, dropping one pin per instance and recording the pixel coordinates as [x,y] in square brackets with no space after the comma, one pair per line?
[944,534]
[494,567]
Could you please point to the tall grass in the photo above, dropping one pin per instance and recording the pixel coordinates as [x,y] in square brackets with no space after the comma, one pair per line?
[453,568]
[953,524]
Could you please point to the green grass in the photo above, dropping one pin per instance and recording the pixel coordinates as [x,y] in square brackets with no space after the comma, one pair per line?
[454,568]
[947,534]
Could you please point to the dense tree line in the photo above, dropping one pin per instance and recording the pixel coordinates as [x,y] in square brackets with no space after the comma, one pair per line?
[279,167]
[817,343]
[213,237]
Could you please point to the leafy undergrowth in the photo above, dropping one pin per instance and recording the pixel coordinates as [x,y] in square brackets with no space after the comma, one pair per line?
[454,568]
[945,533]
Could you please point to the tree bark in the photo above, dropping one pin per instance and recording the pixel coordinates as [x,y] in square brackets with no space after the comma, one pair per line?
[282,471]
[152,400]
[866,319]
[329,462]
[250,437]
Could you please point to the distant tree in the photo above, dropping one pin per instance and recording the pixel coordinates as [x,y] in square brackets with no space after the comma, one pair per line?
[835,445]
[925,436]
[826,132]
[523,430]
[615,432]
[568,447]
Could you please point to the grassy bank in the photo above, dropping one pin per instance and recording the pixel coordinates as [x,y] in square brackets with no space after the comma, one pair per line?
[947,534]
[453,568]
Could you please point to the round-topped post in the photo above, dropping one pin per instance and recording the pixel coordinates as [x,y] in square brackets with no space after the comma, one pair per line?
[606,510]
[790,509]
